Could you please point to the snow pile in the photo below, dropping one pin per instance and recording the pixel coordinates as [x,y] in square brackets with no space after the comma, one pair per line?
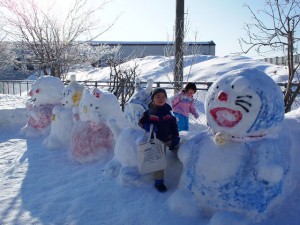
[13,111]
[45,93]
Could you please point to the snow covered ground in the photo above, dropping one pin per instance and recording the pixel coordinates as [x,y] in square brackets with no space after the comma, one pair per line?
[42,186]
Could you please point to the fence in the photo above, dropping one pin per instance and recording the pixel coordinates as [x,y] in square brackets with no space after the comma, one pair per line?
[21,87]
[282,60]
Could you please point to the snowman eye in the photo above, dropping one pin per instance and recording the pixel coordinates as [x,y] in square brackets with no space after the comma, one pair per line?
[91,105]
[232,86]
[96,107]
[217,86]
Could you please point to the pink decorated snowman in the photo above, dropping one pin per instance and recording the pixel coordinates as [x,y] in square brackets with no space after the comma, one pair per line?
[44,95]
[91,138]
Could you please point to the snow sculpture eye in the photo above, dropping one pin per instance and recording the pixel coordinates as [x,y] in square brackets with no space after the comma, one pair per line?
[240,84]
[96,93]
[37,91]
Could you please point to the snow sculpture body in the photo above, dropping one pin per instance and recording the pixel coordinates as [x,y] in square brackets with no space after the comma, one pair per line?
[44,95]
[241,167]
[124,164]
[62,120]
[138,103]
[91,138]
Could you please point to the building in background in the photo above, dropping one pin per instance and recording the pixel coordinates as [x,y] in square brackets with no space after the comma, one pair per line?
[160,48]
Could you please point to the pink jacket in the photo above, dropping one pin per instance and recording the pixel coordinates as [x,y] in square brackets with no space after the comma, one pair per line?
[184,105]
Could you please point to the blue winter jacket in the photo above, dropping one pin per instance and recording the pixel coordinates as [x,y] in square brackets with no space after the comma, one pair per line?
[164,121]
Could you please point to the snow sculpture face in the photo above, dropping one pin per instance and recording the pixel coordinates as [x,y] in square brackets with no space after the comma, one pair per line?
[244,103]
[72,94]
[46,90]
[142,96]
[98,106]
[138,103]
[104,106]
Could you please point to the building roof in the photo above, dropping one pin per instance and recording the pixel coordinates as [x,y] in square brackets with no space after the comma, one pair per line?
[147,43]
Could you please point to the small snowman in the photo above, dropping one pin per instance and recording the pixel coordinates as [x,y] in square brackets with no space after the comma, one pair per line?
[138,103]
[62,119]
[45,94]
[237,169]
[91,138]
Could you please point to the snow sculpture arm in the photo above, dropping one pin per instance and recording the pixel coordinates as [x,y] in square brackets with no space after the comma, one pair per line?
[269,167]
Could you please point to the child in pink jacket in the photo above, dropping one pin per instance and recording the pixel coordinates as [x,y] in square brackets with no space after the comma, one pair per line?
[183,103]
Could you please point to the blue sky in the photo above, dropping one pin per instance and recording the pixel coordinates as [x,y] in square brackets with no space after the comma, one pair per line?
[221,21]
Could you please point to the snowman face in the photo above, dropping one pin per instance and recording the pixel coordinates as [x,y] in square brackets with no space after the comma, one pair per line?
[232,106]
[141,97]
[46,90]
[66,99]
[71,97]
[97,109]
[34,94]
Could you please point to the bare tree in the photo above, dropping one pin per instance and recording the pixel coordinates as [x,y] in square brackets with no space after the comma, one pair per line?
[51,37]
[274,29]
[122,78]
[7,53]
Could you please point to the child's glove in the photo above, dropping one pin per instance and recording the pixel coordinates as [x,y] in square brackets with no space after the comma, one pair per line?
[174,143]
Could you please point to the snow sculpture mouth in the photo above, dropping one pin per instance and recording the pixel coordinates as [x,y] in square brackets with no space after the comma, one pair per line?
[226,117]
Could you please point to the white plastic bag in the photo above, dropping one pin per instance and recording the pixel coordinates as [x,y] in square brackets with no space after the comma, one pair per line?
[151,155]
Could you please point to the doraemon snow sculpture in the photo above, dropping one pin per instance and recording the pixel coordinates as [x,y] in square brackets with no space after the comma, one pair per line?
[240,167]
[44,95]
[91,138]
[138,103]
[62,119]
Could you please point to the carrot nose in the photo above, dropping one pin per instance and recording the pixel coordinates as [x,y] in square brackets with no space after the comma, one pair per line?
[222,96]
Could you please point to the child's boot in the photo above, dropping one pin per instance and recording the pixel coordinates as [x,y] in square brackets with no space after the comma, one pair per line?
[159,185]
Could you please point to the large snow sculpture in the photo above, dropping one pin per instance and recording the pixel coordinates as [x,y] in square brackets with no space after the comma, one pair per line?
[44,95]
[62,119]
[241,166]
[138,103]
[91,139]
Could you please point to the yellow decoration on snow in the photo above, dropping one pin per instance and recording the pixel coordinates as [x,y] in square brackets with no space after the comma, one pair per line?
[76,98]
[221,138]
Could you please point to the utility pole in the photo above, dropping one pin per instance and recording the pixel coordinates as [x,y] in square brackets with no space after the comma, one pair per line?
[179,35]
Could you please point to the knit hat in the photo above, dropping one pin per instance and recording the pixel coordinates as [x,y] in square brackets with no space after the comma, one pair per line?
[158,90]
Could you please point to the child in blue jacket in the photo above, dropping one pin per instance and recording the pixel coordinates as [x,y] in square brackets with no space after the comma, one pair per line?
[165,126]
